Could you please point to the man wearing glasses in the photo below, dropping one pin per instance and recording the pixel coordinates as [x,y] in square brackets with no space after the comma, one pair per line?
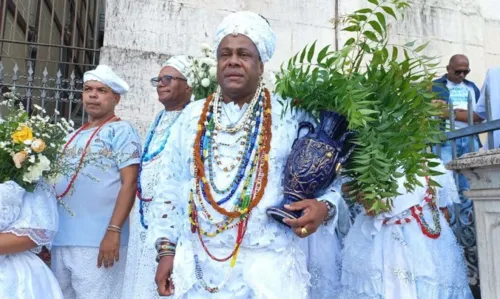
[455,88]
[174,93]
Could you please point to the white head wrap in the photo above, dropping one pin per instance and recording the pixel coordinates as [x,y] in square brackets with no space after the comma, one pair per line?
[181,63]
[251,25]
[105,74]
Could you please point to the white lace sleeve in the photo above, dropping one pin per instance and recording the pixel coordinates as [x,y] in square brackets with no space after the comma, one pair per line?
[170,195]
[11,202]
[447,193]
[38,219]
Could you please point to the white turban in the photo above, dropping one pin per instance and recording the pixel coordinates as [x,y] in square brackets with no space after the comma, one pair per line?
[105,74]
[182,64]
[251,25]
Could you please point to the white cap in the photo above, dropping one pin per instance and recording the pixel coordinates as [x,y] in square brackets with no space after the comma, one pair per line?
[252,25]
[105,74]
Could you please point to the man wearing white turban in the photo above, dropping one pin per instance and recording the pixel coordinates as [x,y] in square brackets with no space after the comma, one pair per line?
[174,92]
[210,228]
[103,158]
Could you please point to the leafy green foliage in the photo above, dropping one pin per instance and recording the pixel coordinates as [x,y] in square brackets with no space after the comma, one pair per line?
[385,93]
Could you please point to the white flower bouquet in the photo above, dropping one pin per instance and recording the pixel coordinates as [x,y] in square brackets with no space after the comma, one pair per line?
[30,144]
[203,74]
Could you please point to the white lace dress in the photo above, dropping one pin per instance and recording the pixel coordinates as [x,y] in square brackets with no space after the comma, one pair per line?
[272,261]
[399,261]
[25,275]
[141,265]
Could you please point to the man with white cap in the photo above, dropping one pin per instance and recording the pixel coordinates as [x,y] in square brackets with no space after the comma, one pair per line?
[89,253]
[209,226]
[174,93]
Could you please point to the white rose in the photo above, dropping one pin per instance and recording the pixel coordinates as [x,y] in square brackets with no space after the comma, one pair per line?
[34,174]
[212,72]
[207,61]
[201,74]
[205,82]
[206,47]
[44,162]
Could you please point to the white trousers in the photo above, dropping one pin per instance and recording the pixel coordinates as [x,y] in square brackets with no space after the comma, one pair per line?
[76,270]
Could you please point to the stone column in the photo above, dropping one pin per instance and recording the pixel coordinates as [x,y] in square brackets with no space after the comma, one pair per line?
[482,169]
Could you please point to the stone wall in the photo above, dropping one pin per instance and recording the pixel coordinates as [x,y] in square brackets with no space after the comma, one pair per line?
[141,34]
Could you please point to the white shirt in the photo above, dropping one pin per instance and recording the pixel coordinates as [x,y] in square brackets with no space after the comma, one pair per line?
[492,88]
[460,94]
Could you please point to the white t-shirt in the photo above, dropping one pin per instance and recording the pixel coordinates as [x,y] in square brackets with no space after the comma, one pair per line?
[459,95]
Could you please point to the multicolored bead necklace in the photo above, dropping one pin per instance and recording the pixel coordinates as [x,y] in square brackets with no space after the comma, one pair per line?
[417,215]
[246,116]
[255,174]
[244,161]
[147,157]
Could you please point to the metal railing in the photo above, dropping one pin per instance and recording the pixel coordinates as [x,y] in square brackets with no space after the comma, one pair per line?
[45,47]
[462,215]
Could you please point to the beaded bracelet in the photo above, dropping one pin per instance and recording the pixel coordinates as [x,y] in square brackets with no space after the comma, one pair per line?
[114,228]
[164,244]
[332,210]
[164,253]
[166,247]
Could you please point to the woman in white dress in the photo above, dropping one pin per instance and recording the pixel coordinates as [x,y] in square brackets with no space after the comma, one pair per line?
[174,93]
[27,223]
[410,252]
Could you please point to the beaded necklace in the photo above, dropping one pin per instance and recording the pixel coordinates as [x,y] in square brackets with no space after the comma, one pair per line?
[242,201]
[84,153]
[246,116]
[228,144]
[245,203]
[243,146]
[264,148]
[147,157]
[247,152]
[195,227]
[417,215]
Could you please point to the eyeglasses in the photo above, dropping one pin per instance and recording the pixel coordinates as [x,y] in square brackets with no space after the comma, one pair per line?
[465,72]
[165,80]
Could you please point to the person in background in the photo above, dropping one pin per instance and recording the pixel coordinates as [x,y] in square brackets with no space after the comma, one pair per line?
[174,93]
[491,89]
[453,87]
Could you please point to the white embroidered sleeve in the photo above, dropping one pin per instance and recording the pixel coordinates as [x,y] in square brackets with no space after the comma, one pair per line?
[38,218]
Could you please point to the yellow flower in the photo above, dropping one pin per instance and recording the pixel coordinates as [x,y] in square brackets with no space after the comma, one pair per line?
[38,145]
[19,158]
[22,134]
